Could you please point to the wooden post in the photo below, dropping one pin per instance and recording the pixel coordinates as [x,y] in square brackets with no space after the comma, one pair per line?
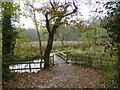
[21,67]
[101,63]
[30,67]
[53,58]
[66,58]
[75,58]
[41,63]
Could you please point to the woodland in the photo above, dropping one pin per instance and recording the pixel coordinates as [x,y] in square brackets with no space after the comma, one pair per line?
[72,52]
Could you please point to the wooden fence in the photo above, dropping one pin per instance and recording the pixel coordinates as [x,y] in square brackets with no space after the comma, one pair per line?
[94,61]
[29,62]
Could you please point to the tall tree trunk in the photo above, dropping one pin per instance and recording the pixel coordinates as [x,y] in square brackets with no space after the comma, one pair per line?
[48,50]
[61,39]
[40,45]
[38,33]
[51,30]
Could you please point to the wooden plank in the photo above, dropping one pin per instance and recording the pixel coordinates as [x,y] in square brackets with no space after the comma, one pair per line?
[95,58]
[25,68]
[25,62]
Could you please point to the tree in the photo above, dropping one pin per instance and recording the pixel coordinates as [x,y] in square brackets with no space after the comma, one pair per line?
[54,15]
[94,33]
[8,31]
[32,13]
[9,34]
[112,25]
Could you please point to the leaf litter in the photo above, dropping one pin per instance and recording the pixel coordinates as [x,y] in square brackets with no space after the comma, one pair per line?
[59,76]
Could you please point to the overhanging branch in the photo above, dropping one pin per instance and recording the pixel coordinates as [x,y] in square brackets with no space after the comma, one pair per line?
[52,6]
[74,11]
[59,18]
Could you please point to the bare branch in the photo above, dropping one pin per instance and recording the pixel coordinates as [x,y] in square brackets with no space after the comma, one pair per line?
[74,11]
[75,7]
[32,6]
[65,9]
[53,17]
[59,17]
[28,4]
[52,6]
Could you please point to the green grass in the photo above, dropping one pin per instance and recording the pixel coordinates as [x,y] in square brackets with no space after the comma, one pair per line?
[73,48]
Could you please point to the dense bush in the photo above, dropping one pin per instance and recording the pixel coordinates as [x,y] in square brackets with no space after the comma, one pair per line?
[7,60]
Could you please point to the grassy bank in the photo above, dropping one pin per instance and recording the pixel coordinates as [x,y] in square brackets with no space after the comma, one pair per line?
[32,49]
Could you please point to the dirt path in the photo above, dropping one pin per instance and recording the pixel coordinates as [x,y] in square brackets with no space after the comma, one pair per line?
[61,75]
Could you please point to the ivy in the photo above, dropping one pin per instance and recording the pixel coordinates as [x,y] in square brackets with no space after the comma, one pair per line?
[9,35]
[112,25]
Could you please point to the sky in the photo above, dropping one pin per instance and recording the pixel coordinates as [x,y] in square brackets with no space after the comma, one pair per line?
[84,6]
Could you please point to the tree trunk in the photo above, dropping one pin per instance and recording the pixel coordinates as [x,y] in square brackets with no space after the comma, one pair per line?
[61,40]
[48,50]
[36,25]
[40,45]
